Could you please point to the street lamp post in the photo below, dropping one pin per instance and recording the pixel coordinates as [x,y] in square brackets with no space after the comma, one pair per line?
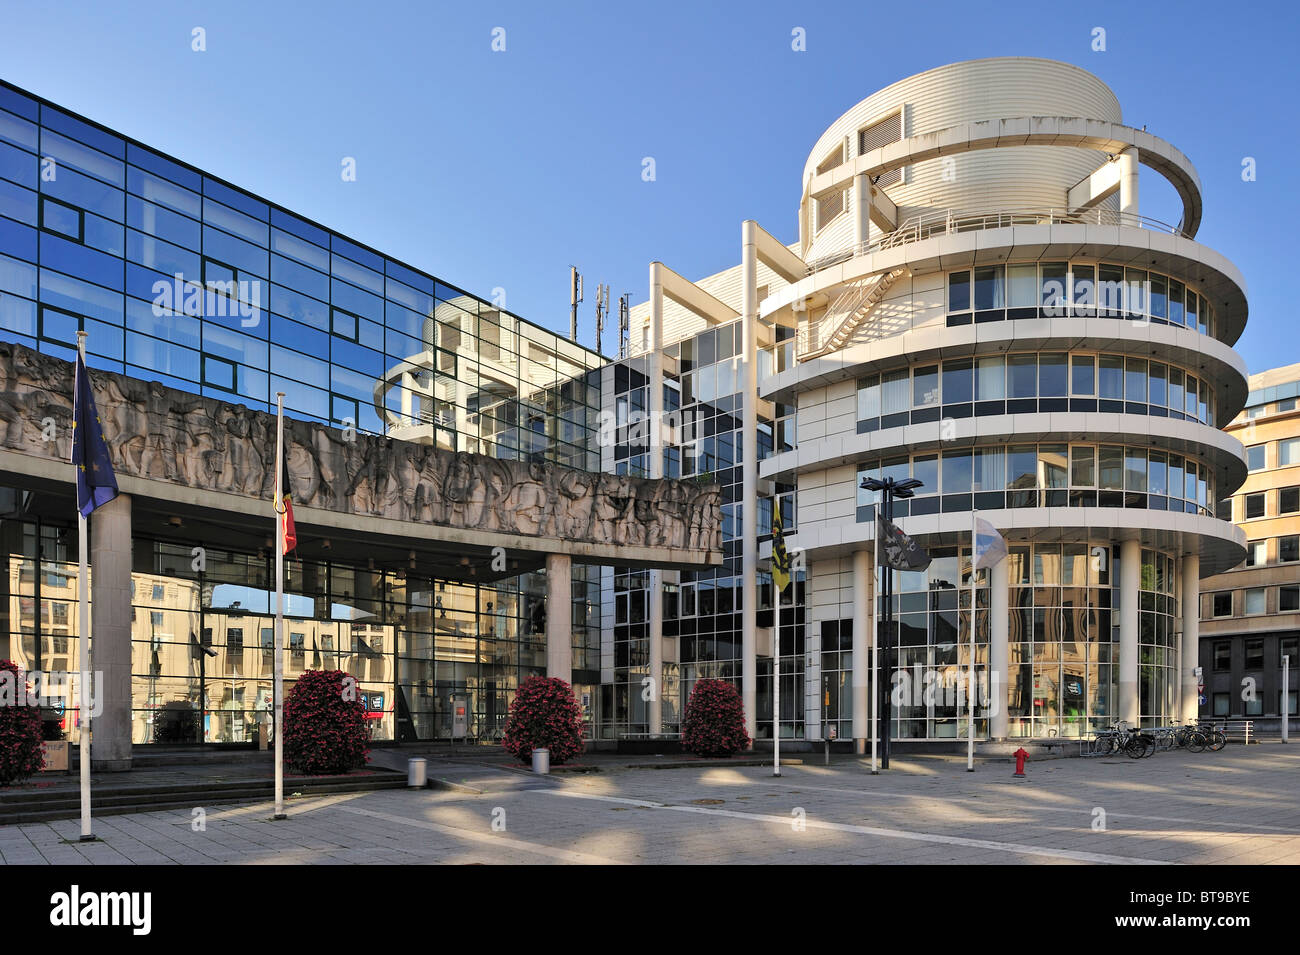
[889,488]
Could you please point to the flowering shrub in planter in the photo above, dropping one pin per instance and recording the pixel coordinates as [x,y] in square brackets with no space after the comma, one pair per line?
[715,720]
[544,715]
[20,730]
[325,729]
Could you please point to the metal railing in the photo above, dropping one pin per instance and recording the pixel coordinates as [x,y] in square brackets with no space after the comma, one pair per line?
[952,222]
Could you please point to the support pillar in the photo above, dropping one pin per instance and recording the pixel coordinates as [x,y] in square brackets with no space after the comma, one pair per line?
[749,478]
[1191,641]
[11,547]
[655,409]
[862,635]
[999,648]
[559,617]
[1128,182]
[861,209]
[1130,570]
[110,645]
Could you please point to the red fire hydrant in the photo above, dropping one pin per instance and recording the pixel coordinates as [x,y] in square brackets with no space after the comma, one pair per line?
[1020,756]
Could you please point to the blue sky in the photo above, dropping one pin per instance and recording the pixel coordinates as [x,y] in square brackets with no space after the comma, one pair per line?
[501,169]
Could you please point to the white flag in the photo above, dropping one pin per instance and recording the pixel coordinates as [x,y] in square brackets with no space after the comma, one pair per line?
[990,546]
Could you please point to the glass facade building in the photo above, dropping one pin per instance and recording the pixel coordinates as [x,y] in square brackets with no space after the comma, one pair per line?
[182,278]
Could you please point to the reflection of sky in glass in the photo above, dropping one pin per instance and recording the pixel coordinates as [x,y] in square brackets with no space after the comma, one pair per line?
[253,600]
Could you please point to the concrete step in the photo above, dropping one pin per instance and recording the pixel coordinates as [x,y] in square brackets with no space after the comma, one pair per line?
[26,806]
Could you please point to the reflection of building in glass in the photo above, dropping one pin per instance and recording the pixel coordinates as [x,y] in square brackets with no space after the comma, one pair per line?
[973,300]
[510,391]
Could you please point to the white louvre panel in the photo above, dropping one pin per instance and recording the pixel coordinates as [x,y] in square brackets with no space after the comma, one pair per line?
[888,130]
[831,206]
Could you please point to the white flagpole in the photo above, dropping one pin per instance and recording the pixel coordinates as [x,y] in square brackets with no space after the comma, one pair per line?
[279,608]
[83,586]
[875,640]
[970,682]
[776,683]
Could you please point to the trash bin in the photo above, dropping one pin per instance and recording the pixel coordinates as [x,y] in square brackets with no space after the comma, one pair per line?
[542,761]
[416,769]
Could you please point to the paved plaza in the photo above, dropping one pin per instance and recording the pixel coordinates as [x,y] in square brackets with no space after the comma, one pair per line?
[1241,805]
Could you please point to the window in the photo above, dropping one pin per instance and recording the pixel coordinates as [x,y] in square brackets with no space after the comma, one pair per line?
[1256,554]
[1083,375]
[1288,548]
[344,324]
[1254,652]
[1022,285]
[1288,647]
[925,386]
[62,219]
[1288,500]
[1288,598]
[1286,404]
[990,379]
[1288,452]
[1222,656]
[1022,376]
[989,288]
[1222,608]
[219,373]
[895,397]
[959,292]
[1255,600]
[1256,459]
[1221,704]
[1254,505]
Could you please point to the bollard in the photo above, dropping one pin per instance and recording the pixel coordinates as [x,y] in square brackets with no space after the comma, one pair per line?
[541,761]
[1020,755]
[416,769]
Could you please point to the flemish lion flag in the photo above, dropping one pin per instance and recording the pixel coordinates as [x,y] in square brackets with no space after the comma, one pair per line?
[284,509]
[780,556]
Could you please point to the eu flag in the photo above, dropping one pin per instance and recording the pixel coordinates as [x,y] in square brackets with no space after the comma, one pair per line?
[96,482]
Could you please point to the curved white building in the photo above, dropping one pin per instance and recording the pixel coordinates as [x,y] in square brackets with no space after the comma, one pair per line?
[976,301]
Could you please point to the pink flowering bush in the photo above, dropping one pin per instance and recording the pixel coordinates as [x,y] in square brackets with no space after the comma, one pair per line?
[20,730]
[715,720]
[325,730]
[544,715]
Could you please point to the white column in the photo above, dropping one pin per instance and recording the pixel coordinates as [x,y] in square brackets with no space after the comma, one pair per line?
[1191,642]
[110,648]
[749,477]
[559,617]
[862,632]
[1128,181]
[1130,569]
[655,409]
[861,208]
[999,647]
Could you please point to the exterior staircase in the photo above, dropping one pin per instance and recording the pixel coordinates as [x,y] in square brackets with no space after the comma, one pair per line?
[846,314]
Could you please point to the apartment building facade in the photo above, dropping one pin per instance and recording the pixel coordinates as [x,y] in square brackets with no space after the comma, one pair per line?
[1250,615]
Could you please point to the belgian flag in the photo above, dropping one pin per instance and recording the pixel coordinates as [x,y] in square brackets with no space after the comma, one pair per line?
[284,509]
